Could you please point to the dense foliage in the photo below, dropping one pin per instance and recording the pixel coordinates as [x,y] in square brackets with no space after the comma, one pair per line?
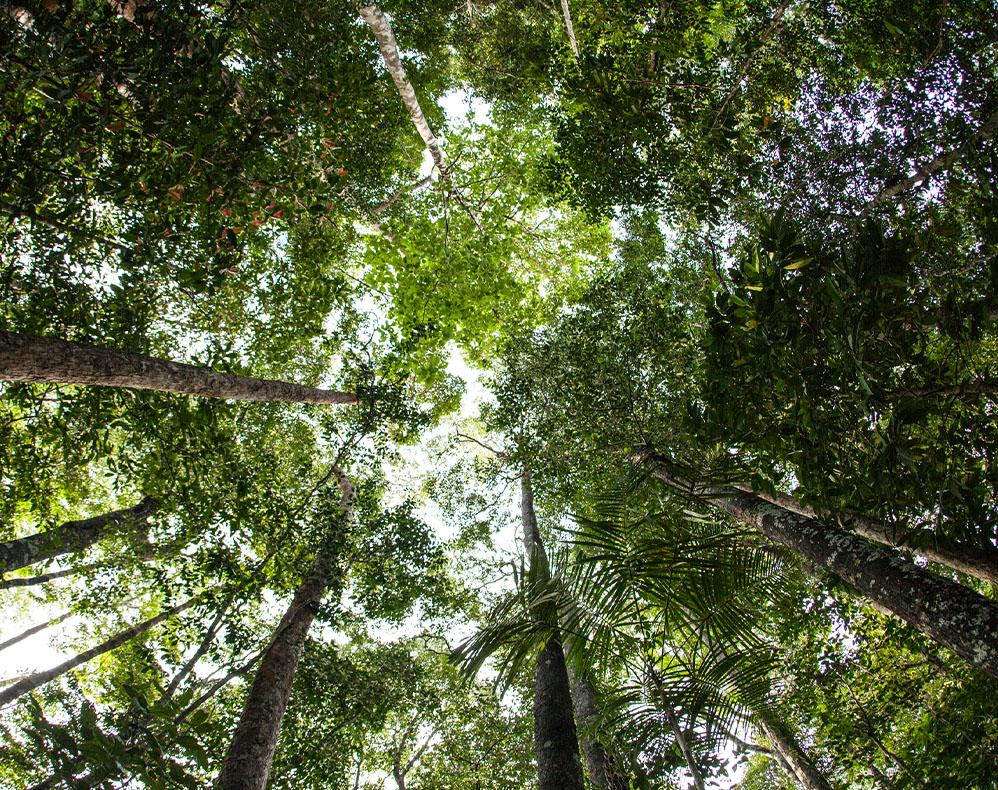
[667,260]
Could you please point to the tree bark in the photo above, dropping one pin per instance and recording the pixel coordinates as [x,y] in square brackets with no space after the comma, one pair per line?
[70,537]
[951,614]
[32,682]
[787,747]
[251,753]
[46,359]
[375,19]
[555,739]
[975,561]
[573,42]
[604,771]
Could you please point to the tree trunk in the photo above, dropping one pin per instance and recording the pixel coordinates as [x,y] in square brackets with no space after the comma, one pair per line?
[46,359]
[555,740]
[248,761]
[68,538]
[972,560]
[32,682]
[951,614]
[375,19]
[786,746]
[35,629]
[604,772]
[573,42]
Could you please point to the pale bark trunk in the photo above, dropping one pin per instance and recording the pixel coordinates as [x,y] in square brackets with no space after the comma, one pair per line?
[974,561]
[787,747]
[566,12]
[556,743]
[68,538]
[35,629]
[32,682]
[951,614]
[45,359]
[375,19]
[684,747]
[251,753]
[941,162]
[604,772]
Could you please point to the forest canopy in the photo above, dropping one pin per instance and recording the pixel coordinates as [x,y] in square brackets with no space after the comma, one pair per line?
[498,394]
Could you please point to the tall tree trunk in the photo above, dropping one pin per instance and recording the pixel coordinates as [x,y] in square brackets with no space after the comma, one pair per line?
[375,19]
[787,747]
[573,42]
[555,740]
[248,761]
[32,682]
[604,771]
[951,614]
[46,359]
[70,537]
[976,561]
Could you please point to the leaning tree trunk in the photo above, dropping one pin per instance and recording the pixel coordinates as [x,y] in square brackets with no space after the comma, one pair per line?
[28,632]
[555,740]
[68,538]
[50,360]
[31,682]
[604,771]
[951,614]
[790,752]
[981,562]
[376,20]
[248,761]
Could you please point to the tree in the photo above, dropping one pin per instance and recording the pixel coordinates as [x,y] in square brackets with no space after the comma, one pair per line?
[72,536]
[248,760]
[39,359]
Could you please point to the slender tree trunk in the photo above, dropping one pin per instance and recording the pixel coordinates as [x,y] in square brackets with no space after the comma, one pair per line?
[248,761]
[46,359]
[787,747]
[604,771]
[975,561]
[68,538]
[32,682]
[684,747]
[573,42]
[375,19]
[41,578]
[951,614]
[35,629]
[555,740]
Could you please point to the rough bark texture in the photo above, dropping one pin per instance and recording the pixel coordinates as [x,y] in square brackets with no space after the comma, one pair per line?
[375,19]
[793,756]
[976,561]
[951,614]
[555,740]
[604,772]
[46,359]
[556,743]
[32,682]
[69,537]
[251,753]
